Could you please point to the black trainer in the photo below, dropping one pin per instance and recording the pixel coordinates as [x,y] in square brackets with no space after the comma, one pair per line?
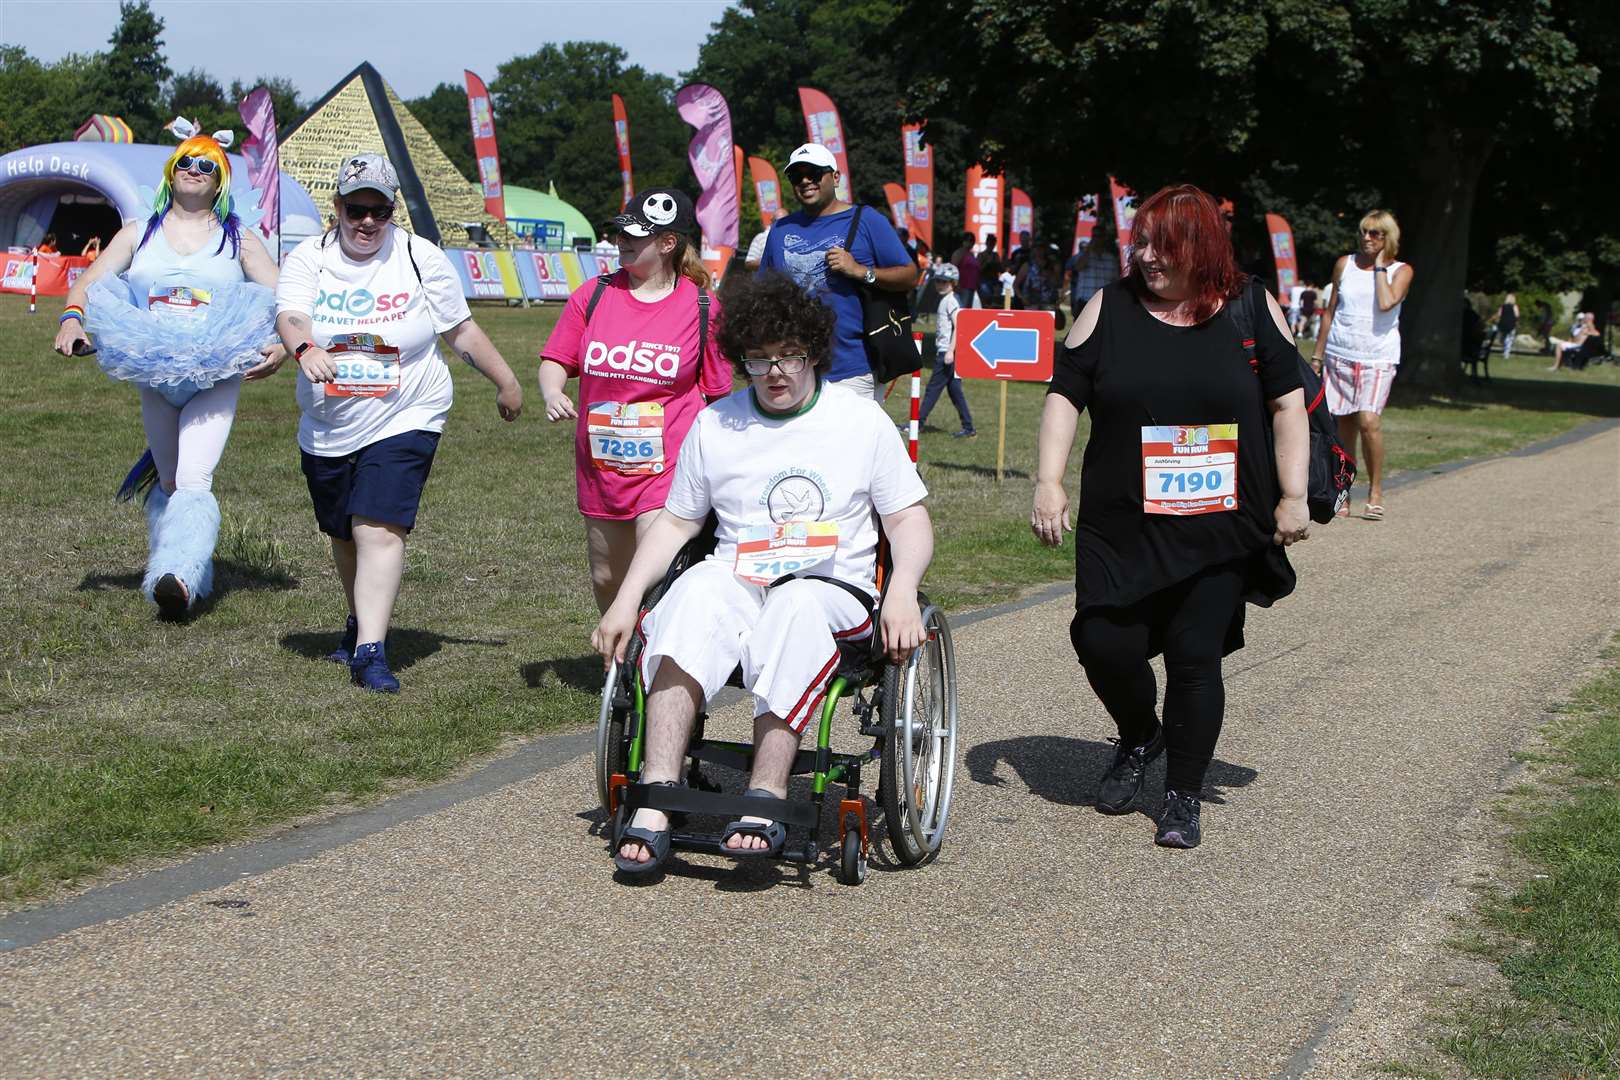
[1178,821]
[1123,781]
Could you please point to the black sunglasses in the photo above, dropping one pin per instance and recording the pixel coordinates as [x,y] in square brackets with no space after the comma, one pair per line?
[358,212]
[200,165]
[797,176]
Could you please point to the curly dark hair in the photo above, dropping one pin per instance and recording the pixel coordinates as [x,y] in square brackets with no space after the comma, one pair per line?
[764,310]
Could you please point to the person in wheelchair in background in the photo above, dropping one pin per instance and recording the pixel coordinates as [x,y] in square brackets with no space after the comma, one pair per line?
[797,472]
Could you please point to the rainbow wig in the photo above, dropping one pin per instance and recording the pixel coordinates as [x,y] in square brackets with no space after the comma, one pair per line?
[198,146]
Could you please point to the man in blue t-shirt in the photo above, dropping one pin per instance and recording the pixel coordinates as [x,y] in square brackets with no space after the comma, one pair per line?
[808,246]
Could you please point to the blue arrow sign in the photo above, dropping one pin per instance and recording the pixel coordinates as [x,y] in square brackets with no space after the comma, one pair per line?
[1007,345]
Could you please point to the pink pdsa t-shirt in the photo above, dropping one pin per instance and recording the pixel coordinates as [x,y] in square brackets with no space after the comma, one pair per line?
[643,378]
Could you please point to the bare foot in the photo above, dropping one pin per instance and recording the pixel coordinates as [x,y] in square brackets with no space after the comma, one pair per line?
[748,841]
[653,820]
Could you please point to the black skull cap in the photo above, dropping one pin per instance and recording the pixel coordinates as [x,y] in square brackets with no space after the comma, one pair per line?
[653,211]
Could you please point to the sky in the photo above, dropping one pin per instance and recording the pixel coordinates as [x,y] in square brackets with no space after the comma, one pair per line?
[415,44]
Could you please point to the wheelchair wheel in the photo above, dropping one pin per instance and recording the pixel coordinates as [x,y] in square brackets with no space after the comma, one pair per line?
[854,859]
[919,749]
[609,736]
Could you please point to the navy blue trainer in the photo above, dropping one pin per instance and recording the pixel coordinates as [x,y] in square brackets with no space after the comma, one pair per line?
[369,669]
[344,653]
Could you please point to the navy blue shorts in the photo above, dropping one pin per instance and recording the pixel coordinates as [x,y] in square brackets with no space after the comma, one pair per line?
[382,482]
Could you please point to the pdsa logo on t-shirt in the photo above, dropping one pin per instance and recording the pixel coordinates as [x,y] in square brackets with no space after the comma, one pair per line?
[643,361]
[358,307]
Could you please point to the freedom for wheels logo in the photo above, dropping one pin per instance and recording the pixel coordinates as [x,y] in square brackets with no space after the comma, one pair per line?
[795,495]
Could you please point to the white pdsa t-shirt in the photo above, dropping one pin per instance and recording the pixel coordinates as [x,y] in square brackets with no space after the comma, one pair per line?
[796,495]
[381,297]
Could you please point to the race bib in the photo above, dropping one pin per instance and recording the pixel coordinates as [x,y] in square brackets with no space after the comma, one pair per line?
[1189,470]
[768,552]
[178,302]
[367,366]
[626,437]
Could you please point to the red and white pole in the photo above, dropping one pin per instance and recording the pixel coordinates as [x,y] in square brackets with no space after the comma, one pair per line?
[33,281]
[916,398]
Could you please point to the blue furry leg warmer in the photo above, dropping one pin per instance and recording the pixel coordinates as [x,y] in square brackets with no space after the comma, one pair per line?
[184,530]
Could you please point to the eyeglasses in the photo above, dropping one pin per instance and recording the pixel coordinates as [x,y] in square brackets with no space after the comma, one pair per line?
[787,364]
[358,212]
[1372,232]
[200,165]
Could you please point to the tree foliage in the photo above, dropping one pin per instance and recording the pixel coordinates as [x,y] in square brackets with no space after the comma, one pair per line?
[131,74]
[444,113]
[1290,105]
[44,103]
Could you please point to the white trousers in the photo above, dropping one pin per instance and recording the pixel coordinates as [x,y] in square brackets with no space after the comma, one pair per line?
[187,442]
[785,638]
[864,386]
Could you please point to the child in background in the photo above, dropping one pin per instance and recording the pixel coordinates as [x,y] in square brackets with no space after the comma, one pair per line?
[944,376]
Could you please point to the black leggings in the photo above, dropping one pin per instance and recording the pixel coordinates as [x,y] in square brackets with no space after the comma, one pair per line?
[1190,619]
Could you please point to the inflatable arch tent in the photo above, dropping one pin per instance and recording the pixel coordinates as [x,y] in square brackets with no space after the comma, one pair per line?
[82,189]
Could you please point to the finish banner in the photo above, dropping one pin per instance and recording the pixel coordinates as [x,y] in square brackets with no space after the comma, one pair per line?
[766,189]
[1023,216]
[919,184]
[1124,216]
[822,125]
[1282,250]
[983,216]
[1085,221]
[621,139]
[489,158]
[896,196]
[713,158]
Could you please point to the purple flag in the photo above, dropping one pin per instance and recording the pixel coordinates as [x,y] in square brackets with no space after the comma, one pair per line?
[713,163]
[263,156]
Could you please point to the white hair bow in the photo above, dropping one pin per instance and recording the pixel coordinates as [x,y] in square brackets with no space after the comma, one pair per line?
[184,129]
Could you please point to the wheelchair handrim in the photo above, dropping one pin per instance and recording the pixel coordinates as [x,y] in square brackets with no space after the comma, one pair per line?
[604,720]
[927,823]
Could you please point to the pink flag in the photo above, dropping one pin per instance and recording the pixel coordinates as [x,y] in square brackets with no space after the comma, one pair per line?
[263,156]
[711,155]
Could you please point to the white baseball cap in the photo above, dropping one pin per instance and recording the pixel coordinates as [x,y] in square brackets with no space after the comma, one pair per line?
[813,154]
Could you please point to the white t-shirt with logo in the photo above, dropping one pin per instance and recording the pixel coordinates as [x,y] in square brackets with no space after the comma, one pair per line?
[841,463]
[380,296]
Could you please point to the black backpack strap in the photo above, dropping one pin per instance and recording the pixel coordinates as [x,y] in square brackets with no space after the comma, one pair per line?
[854,228]
[1242,311]
[602,282]
[703,326]
[409,254]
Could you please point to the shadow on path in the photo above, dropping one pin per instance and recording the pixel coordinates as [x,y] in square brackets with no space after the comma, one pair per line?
[1067,771]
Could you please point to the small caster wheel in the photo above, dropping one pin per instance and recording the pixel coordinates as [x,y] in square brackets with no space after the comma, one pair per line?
[854,862]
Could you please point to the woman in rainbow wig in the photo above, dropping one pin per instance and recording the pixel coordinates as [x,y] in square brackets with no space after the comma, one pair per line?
[183,306]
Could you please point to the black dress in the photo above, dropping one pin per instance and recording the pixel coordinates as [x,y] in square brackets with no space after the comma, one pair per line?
[1135,371]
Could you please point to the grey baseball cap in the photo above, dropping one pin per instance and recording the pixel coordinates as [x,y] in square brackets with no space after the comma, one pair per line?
[371,171]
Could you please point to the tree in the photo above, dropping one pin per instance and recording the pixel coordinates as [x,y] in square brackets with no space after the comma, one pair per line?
[444,113]
[45,103]
[132,73]
[554,120]
[284,98]
[1321,106]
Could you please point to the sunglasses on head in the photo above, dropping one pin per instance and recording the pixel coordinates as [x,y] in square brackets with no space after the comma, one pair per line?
[358,212]
[200,165]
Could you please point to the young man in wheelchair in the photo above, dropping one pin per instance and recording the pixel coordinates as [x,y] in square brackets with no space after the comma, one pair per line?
[798,472]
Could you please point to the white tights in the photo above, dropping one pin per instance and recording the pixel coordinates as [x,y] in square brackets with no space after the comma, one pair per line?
[187,442]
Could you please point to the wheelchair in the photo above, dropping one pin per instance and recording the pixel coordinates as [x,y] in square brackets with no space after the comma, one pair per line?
[907,710]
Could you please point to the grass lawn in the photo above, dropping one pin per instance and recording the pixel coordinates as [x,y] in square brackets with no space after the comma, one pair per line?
[1557,937]
[124,738]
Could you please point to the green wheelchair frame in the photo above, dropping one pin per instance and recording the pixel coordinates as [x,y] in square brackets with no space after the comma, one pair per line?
[910,715]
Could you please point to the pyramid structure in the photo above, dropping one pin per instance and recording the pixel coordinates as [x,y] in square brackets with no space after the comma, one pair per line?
[362,114]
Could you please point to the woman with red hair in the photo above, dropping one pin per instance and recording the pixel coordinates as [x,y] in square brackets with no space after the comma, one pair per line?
[1193,482]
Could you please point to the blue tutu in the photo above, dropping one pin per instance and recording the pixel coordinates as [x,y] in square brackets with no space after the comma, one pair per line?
[184,355]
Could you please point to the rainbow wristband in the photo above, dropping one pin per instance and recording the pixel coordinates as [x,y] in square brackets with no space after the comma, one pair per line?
[72,311]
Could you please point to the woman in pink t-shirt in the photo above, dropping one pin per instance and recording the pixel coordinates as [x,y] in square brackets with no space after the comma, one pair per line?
[643,347]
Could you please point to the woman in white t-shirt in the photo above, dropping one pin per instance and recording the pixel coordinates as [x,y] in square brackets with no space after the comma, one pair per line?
[797,473]
[1360,340]
[361,307]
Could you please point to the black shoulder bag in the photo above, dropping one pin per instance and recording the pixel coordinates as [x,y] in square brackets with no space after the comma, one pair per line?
[890,350]
[1332,471]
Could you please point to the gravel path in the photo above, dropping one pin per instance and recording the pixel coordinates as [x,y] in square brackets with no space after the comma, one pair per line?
[1369,719]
